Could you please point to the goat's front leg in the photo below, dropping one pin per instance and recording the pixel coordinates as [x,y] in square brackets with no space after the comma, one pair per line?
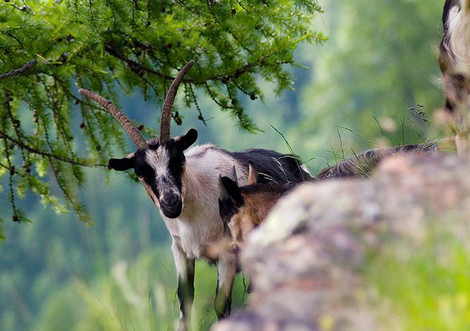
[226,269]
[185,273]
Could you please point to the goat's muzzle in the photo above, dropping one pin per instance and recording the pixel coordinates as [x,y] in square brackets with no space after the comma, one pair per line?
[171,205]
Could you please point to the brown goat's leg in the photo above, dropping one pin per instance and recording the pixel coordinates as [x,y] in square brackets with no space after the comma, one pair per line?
[226,269]
[185,273]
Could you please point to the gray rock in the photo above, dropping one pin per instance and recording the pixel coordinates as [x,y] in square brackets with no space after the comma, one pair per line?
[305,260]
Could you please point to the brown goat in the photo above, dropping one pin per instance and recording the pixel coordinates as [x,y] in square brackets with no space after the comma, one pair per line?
[242,208]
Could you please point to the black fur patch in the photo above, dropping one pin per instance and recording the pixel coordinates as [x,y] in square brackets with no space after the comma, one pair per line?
[272,166]
[227,208]
[176,163]
[142,169]
[121,164]
[175,149]
[229,204]
[233,191]
[269,187]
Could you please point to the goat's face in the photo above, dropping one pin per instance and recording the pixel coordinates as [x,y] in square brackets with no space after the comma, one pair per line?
[244,211]
[159,163]
[244,208]
[233,215]
[160,168]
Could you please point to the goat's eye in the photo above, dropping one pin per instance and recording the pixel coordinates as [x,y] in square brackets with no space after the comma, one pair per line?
[148,176]
[141,176]
[144,172]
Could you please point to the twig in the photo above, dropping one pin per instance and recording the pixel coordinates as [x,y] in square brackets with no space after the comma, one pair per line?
[193,95]
[39,152]
[20,71]
[16,217]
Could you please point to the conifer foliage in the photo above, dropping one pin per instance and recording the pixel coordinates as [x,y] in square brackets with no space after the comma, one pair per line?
[50,48]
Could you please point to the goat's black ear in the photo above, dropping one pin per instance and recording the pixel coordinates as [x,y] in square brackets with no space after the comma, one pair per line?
[226,209]
[186,140]
[125,163]
[233,191]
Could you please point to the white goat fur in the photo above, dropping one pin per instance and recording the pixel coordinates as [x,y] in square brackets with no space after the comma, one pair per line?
[199,224]
[459,36]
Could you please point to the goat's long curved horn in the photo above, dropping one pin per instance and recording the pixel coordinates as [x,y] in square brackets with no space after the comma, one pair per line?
[168,104]
[131,130]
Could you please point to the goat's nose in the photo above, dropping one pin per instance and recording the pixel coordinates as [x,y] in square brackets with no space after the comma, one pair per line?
[170,199]
[235,248]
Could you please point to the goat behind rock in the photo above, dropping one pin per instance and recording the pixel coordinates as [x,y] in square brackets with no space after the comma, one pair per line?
[244,207]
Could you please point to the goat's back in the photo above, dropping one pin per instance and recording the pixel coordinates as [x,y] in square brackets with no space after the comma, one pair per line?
[273,166]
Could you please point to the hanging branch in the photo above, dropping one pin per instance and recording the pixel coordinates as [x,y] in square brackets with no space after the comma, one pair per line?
[20,71]
[128,52]
[46,154]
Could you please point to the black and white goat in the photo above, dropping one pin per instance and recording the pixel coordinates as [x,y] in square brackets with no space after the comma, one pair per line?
[454,62]
[185,188]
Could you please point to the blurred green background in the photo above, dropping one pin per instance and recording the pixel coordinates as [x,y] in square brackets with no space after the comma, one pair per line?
[375,82]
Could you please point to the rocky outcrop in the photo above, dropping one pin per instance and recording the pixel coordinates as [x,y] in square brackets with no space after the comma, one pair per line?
[306,260]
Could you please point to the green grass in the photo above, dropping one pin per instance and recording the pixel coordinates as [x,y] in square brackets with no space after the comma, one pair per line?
[137,296]
[425,287]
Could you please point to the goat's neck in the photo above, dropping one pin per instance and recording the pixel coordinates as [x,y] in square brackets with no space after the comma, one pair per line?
[199,187]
